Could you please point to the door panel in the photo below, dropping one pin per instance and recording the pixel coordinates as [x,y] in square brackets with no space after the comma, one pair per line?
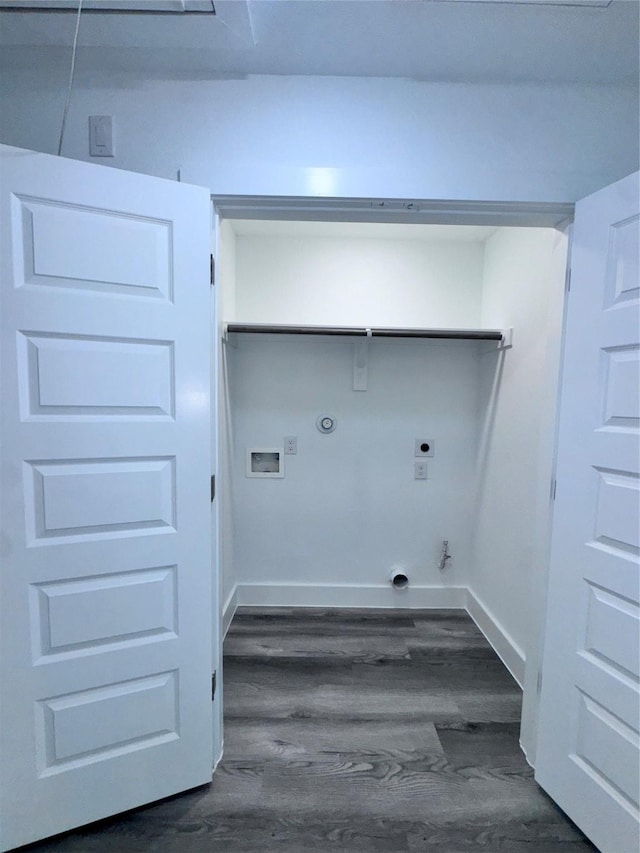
[82,376]
[125,255]
[106,520]
[122,607]
[588,755]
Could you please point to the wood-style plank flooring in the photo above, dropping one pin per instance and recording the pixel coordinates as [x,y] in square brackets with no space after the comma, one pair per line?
[355,730]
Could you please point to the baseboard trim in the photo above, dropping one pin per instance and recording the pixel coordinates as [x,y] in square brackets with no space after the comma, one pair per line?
[345,595]
[507,650]
[229,610]
[218,759]
[526,755]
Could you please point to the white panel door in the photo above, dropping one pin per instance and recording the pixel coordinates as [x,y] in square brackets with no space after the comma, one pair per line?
[587,757]
[105,451]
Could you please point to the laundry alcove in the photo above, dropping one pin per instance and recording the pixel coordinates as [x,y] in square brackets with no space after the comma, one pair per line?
[348,511]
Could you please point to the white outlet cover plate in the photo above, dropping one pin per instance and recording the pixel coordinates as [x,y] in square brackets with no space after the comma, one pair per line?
[420,470]
[419,444]
[290,445]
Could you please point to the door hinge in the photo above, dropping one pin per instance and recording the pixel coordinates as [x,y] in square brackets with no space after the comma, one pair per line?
[212,270]
[539,682]
[568,281]
[213,487]
[554,486]
[213,686]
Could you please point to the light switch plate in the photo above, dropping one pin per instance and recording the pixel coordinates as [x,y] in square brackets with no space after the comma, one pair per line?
[101,136]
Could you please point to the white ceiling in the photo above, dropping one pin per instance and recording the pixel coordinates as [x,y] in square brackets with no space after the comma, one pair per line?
[427,40]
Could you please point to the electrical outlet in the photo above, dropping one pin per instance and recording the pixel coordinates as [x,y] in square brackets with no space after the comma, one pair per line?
[423,447]
[419,470]
[290,445]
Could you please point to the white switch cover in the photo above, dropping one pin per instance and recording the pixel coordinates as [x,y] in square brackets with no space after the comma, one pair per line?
[101,136]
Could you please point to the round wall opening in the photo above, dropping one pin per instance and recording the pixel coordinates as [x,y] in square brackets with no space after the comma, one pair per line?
[399,580]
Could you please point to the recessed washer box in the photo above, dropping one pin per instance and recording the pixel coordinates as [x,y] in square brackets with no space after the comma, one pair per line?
[265,462]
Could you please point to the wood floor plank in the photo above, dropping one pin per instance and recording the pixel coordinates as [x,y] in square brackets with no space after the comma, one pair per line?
[329,702]
[452,670]
[446,623]
[370,647]
[286,674]
[326,623]
[361,789]
[489,706]
[443,646]
[263,831]
[479,741]
[285,740]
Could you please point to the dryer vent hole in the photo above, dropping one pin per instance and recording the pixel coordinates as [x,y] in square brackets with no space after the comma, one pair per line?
[400,581]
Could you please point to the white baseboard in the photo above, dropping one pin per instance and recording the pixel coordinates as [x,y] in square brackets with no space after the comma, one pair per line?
[510,654]
[218,758]
[229,610]
[355,595]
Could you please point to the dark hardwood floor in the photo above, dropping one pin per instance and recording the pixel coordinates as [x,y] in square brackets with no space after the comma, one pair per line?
[355,730]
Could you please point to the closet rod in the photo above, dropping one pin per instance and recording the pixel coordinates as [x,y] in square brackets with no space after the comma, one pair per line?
[440,334]
[296,330]
[444,334]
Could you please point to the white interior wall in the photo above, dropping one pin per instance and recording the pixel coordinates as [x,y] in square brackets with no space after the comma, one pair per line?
[514,279]
[225,291]
[278,387]
[549,395]
[358,281]
[349,510]
[523,287]
[372,137]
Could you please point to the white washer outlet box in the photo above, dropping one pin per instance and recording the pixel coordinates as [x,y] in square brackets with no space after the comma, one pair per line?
[265,462]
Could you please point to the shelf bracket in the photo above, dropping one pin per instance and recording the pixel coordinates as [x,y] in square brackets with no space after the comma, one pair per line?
[227,337]
[507,339]
[361,363]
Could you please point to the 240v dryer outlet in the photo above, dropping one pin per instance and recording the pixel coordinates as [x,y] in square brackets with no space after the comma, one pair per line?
[424,447]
